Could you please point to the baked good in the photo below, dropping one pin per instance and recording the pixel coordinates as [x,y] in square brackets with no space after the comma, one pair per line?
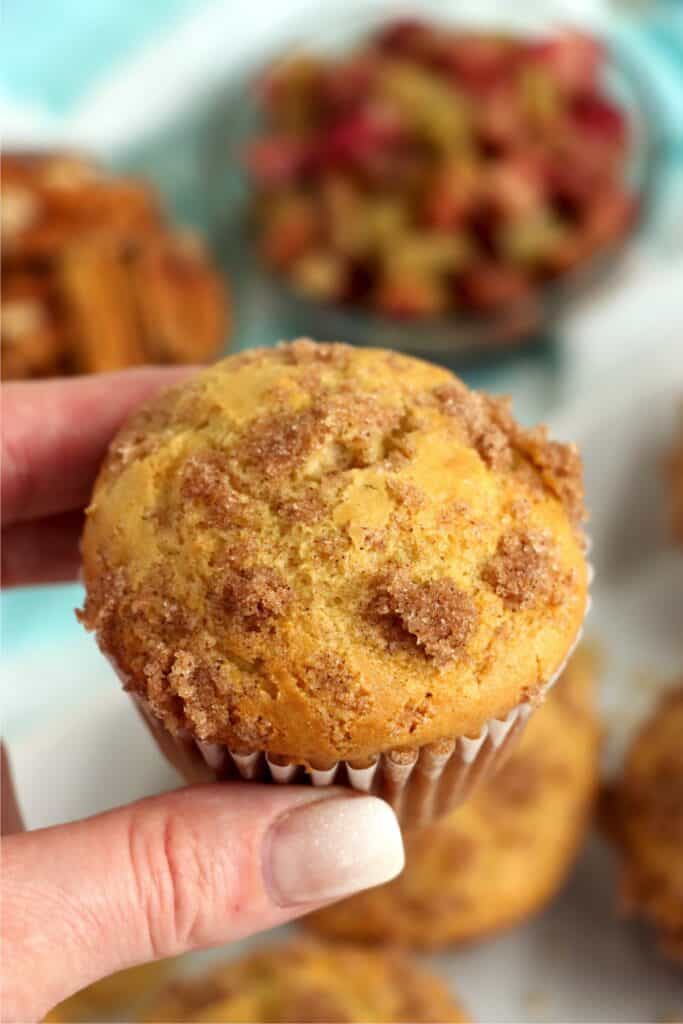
[326,554]
[502,856]
[112,998]
[309,982]
[94,278]
[674,476]
[644,815]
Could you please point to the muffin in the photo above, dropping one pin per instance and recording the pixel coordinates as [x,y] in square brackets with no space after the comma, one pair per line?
[644,813]
[112,998]
[337,560]
[94,278]
[674,475]
[306,982]
[503,856]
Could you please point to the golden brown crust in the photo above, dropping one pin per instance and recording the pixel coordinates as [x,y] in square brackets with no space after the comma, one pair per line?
[645,819]
[522,571]
[307,982]
[315,505]
[106,282]
[503,855]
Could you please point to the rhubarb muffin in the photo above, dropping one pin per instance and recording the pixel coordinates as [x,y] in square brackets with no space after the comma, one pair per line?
[503,856]
[338,560]
[312,983]
[645,820]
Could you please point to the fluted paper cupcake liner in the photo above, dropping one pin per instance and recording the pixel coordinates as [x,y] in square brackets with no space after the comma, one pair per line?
[421,784]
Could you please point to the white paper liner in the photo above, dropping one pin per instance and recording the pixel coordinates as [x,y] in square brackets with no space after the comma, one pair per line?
[420,784]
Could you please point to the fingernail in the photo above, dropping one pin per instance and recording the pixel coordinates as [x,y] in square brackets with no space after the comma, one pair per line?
[331,848]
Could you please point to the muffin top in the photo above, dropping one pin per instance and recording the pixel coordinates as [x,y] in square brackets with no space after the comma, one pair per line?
[307,982]
[645,817]
[503,854]
[325,552]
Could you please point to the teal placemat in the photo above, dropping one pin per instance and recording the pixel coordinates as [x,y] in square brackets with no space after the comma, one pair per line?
[54,51]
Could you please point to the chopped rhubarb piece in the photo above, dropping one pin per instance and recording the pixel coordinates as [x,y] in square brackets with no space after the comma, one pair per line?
[514,187]
[476,61]
[491,285]
[276,161]
[525,243]
[498,119]
[357,138]
[348,83]
[322,274]
[598,117]
[572,59]
[451,194]
[406,296]
[406,37]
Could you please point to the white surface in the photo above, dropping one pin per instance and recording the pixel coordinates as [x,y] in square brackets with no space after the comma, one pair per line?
[578,961]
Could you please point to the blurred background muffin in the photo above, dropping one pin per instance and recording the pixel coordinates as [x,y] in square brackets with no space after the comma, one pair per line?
[502,856]
[644,813]
[94,276]
[115,997]
[309,983]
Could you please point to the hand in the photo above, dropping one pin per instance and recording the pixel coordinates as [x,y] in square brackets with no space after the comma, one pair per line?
[186,870]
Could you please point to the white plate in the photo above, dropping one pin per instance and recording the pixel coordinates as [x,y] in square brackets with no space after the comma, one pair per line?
[578,961]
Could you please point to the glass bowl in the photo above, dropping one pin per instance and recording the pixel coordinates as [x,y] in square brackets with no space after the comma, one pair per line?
[235,119]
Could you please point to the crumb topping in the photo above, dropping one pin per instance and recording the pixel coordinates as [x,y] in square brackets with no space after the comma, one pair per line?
[523,570]
[478,414]
[329,675]
[206,481]
[255,596]
[279,442]
[405,494]
[490,428]
[308,506]
[435,615]
[304,351]
[559,466]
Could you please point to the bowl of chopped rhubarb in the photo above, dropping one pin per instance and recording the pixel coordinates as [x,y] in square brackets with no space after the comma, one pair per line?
[433,186]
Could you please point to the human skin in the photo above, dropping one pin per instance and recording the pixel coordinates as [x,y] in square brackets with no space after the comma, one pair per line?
[186,870]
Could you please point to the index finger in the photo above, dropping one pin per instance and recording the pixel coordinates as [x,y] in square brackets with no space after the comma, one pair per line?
[55,434]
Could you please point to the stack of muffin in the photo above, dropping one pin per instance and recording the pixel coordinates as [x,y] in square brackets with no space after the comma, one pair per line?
[94,276]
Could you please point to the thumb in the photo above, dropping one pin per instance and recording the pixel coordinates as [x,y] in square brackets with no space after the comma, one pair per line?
[189,869]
